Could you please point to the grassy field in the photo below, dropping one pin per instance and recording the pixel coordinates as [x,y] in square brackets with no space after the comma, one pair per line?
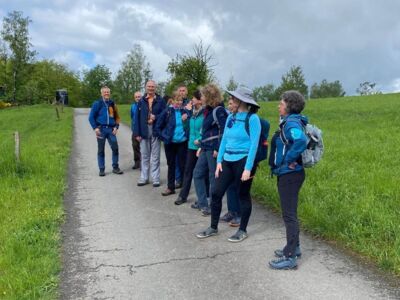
[353,196]
[31,194]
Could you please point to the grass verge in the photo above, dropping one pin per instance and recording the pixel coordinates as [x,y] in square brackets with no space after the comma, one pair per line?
[31,194]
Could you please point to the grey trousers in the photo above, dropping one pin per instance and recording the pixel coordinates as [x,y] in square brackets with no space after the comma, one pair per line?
[150,150]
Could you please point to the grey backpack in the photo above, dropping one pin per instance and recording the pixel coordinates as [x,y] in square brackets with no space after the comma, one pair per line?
[315,145]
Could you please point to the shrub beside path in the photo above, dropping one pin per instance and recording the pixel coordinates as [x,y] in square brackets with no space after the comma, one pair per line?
[127,242]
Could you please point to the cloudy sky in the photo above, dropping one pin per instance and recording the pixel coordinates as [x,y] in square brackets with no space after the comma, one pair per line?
[253,41]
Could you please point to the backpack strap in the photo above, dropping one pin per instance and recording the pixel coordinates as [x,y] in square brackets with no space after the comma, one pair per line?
[214,114]
[247,123]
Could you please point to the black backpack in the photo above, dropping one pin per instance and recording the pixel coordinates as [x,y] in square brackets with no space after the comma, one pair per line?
[262,149]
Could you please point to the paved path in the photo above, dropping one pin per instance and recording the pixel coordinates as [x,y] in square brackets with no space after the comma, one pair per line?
[127,242]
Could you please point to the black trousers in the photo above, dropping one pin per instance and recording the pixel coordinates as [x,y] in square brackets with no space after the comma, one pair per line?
[136,150]
[289,187]
[232,173]
[191,160]
[172,152]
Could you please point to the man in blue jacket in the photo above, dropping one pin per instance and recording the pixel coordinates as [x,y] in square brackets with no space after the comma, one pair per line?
[135,142]
[149,108]
[104,119]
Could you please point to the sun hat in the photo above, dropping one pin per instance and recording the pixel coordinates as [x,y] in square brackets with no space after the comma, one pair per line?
[244,94]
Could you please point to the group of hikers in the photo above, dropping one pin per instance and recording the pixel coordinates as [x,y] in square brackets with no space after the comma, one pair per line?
[216,148]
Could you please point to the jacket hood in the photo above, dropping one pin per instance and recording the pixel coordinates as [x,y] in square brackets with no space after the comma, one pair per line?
[301,118]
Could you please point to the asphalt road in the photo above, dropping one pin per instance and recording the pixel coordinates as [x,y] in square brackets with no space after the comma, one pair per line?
[127,242]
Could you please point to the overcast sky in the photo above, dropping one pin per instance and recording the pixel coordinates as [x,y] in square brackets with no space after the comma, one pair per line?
[256,42]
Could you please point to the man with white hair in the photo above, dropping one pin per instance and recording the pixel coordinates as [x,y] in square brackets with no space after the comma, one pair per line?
[149,108]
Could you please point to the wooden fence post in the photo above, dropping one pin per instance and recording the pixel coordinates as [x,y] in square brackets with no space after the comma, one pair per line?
[17,147]
[58,114]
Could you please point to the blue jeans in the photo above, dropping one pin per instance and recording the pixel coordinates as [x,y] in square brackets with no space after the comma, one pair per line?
[205,166]
[106,134]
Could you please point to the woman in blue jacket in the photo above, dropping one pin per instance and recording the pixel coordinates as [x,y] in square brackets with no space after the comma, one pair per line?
[172,129]
[235,162]
[285,161]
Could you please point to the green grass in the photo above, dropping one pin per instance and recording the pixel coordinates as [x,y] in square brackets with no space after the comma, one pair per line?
[353,195]
[31,209]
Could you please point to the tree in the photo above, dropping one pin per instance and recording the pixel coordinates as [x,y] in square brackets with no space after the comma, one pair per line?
[46,77]
[93,80]
[293,80]
[15,32]
[265,93]
[230,86]
[367,88]
[327,89]
[192,70]
[132,75]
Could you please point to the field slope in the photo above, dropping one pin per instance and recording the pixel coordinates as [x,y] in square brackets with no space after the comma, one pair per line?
[31,194]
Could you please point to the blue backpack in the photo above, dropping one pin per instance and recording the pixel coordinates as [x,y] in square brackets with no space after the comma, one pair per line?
[262,149]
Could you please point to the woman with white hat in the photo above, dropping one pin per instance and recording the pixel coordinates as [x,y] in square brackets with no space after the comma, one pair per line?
[235,162]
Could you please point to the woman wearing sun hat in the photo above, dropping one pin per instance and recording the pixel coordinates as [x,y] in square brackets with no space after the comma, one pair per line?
[235,162]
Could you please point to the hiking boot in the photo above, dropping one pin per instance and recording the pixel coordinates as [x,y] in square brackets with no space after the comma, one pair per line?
[284,263]
[178,185]
[239,236]
[102,173]
[195,206]
[117,171]
[167,192]
[227,217]
[235,222]
[136,165]
[207,233]
[142,183]
[180,201]
[279,252]
[205,211]
[156,184]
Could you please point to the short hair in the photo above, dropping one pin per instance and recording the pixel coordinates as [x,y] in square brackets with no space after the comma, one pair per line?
[212,94]
[295,102]
[151,80]
[104,87]
[197,94]
[177,96]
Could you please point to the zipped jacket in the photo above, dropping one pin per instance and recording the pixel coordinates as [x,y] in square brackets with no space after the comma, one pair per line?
[166,123]
[104,114]
[282,155]
[140,126]
[212,130]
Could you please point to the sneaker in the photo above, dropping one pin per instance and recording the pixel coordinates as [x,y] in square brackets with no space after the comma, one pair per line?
[195,206]
[279,252]
[235,222]
[239,236]
[206,211]
[156,184]
[227,217]
[142,183]
[117,171]
[178,185]
[167,192]
[102,173]
[284,263]
[180,201]
[207,233]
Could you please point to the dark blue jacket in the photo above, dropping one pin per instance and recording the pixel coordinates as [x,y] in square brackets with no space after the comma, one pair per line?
[140,126]
[211,132]
[166,123]
[104,113]
[283,154]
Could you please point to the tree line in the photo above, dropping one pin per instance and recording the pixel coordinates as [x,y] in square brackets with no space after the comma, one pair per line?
[25,80]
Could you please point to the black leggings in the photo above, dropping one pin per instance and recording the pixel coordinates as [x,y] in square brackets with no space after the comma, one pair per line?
[289,187]
[232,173]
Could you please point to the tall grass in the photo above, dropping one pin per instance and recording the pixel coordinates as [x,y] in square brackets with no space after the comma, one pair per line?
[31,196]
[353,195]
